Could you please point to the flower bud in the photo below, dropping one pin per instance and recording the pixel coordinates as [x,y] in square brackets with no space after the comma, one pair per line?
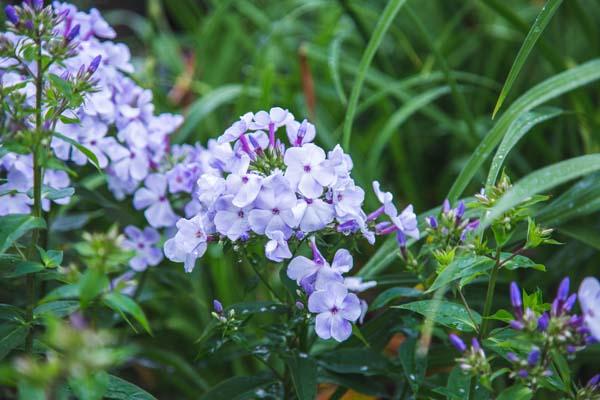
[534,356]
[457,342]
[94,64]
[563,289]
[29,25]
[515,299]
[11,14]
[73,33]
[218,307]
[432,222]
[543,322]
[299,305]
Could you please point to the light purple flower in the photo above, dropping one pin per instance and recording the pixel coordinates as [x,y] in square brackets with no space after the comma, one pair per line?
[385,198]
[277,248]
[230,220]
[347,199]
[182,178]
[244,188]
[271,121]
[210,188]
[315,273]
[313,214]
[236,130]
[307,170]
[336,309]
[589,299]
[340,162]
[273,207]
[153,197]
[189,243]
[143,243]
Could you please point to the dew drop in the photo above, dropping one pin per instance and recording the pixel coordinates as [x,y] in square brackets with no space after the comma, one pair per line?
[364,368]
[303,355]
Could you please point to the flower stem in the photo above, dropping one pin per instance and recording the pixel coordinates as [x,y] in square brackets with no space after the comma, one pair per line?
[36,210]
[489,297]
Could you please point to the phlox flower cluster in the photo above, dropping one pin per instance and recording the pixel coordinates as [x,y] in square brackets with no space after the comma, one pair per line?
[116,123]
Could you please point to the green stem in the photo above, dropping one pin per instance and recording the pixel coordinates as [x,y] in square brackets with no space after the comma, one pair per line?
[264,280]
[489,297]
[37,193]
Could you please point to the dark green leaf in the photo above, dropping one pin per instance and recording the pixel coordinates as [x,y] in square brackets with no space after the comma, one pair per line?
[92,283]
[12,227]
[516,392]
[11,336]
[124,304]
[303,369]
[120,389]
[58,309]
[462,267]
[443,312]
[237,387]
[392,294]
[355,361]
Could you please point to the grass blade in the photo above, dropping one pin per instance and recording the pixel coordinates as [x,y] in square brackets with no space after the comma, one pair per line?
[544,91]
[517,130]
[388,15]
[398,118]
[535,32]
[542,180]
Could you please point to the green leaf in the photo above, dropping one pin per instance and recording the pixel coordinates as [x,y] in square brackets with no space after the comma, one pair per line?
[58,309]
[521,262]
[535,32]
[9,312]
[355,361]
[515,132]
[462,267]
[11,336]
[458,385]
[23,268]
[92,283]
[87,152]
[207,104]
[13,226]
[542,180]
[70,291]
[51,258]
[256,307]
[303,369]
[51,193]
[120,389]
[443,312]
[413,365]
[539,94]
[237,387]
[516,392]
[124,304]
[383,24]
[63,86]
[398,118]
[392,294]
[89,386]
[502,315]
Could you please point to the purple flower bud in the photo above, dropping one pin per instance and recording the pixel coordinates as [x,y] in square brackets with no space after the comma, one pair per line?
[301,133]
[401,238]
[517,325]
[217,306]
[348,227]
[534,356]
[571,349]
[446,206]
[299,305]
[475,344]
[317,256]
[523,373]
[555,308]
[11,14]
[300,235]
[569,303]
[576,321]
[594,381]
[94,64]
[73,33]
[457,342]
[563,289]
[255,145]
[37,4]
[512,357]
[29,25]
[460,210]
[515,299]
[432,221]
[543,322]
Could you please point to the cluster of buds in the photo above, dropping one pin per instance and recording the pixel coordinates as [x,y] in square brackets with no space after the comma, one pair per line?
[591,391]
[529,370]
[559,328]
[450,227]
[227,320]
[473,360]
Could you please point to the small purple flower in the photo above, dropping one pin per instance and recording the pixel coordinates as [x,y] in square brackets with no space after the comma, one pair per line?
[273,207]
[563,289]
[457,342]
[512,357]
[523,373]
[336,309]
[153,197]
[143,243]
[300,133]
[189,243]
[432,222]
[271,121]
[308,170]
[347,200]
[313,214]
[277,248]
[230,220]
[235,131]
[29,25]
[11,14]
[589,299]
[311,274]
[244,188]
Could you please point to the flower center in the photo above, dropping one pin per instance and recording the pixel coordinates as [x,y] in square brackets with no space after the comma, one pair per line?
[309,201]
[241,214]
[199,234]
[93,142]
[245,179]
[334,310]
[132,155]
[340,197]
[275,211]
[307,168]
[140,246]
[162,198]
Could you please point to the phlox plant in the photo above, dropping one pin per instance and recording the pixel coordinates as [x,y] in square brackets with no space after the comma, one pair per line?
[290,218]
